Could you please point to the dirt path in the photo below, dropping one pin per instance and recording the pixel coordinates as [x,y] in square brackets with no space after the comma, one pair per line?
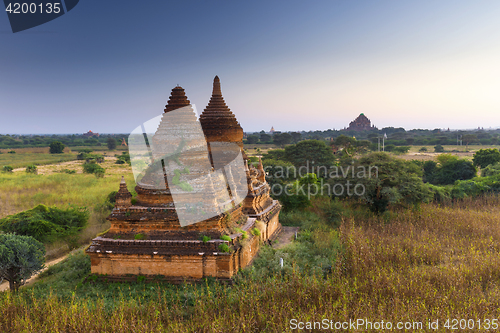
[5,286]
[286,237]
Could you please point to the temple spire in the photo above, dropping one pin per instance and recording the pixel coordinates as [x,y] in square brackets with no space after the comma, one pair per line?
[218,122]
[123,197]
[262,174]
[216,91]
[178,99]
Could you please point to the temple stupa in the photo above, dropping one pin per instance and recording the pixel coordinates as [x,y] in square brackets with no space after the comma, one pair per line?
[147,238]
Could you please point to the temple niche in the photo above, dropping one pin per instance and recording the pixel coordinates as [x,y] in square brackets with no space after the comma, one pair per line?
[361,123]
[150,237]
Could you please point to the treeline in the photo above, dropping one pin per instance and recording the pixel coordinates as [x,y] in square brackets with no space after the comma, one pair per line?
[378,180]
[395,137]
[70,140]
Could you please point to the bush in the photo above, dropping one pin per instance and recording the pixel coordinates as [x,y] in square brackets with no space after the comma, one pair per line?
[123,158]
[46,224]
[401,149]
[244,233]
[56,147]
[389,147]
[225,238]
[32,169]
[255,232]
[140,236]
[68,171]
[438,149]
[7,168]
[12,152]
[223,247]
[94,168]
[205,238]
[422,150]
[485,157]
[451,169]
[491,170]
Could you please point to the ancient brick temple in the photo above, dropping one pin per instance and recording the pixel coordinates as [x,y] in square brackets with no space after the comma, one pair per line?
[146,238]
[361,123]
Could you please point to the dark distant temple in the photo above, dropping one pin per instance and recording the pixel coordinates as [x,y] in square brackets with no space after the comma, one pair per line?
[361,123]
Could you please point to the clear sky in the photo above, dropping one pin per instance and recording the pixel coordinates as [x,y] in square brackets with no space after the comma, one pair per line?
[108,66]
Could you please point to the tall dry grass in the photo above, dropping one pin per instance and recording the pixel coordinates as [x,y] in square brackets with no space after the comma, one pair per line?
[433,263]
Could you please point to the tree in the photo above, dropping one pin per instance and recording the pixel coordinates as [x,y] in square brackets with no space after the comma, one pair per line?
[282,139]
[7,168]
[20,258]
[111,143]
[485,157]
[451,169]
[468,138]
[275,154]
[56,147]
[265,138]
[438,149]
[310,155]
[296,137]
[380,180]
[252,139]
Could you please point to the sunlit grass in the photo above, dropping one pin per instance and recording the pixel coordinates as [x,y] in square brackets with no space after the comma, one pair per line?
[21,160]
[21,191]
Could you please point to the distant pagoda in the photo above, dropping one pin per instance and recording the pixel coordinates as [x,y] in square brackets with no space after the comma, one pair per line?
[361,123]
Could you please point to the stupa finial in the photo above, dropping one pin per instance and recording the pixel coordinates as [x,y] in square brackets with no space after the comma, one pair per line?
[216,90]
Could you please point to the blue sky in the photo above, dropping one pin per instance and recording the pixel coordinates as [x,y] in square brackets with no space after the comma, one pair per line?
[294,65]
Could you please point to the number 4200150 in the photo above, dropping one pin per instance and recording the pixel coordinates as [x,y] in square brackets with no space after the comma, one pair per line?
[32,8]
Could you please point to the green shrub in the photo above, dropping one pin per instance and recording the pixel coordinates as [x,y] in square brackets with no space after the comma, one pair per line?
[244,233]
[438,149]
[140,236]
[401,149]
[223,247]
[389,147]
[12,152]
[205,238]
[94,168]
[7,168]
[68,171]
[225,238]
[32,169]
[422,150]
[123,158]
[491,170]
[485,157]
[46,224]
[255,232]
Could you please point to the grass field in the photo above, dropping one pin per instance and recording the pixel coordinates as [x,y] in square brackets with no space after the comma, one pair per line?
[411,266]
[21,191]
[21,159]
